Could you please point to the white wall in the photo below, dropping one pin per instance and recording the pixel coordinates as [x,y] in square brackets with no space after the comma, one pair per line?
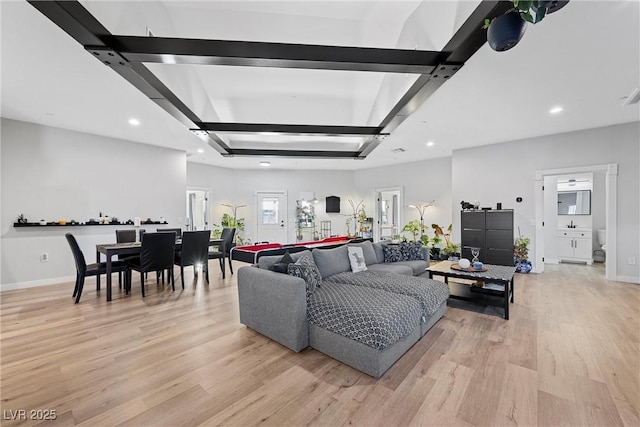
[57,174]
[502,172]
[421,181]
[237,187]
[52,174]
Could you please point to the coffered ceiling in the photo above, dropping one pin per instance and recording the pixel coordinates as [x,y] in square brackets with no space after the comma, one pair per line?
[566,60]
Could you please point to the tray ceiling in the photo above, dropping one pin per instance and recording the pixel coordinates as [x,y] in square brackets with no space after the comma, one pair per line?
[482,103]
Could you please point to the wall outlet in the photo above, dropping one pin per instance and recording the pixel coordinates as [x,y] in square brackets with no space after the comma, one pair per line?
[631,261]
[44,257]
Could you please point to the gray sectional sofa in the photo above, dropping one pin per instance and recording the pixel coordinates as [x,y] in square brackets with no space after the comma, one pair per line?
[367,319]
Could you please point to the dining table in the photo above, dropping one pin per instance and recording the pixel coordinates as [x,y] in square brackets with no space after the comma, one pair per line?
[129,248]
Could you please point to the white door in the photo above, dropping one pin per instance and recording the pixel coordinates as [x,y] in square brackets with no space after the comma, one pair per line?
[388,212]
[197,210]
[272,217]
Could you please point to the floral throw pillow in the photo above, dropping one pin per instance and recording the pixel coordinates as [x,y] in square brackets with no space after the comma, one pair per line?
[411,251]
[306,269]
[392,253]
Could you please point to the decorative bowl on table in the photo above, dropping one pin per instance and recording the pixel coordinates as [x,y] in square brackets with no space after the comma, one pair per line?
[464,263]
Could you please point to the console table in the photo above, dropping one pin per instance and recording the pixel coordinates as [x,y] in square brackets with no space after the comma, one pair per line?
[496,274]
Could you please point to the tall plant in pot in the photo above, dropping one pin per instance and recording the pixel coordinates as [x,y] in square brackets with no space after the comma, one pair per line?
[521,253]
[450,249]
[228,221]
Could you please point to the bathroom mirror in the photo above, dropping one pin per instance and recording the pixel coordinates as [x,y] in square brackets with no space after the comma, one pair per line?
[574,202]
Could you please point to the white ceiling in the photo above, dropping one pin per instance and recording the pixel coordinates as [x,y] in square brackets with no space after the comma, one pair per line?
[585,58]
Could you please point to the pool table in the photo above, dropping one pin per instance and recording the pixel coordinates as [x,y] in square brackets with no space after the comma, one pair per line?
[251,253]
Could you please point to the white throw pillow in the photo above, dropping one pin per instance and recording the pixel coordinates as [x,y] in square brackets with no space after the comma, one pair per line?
[356,258]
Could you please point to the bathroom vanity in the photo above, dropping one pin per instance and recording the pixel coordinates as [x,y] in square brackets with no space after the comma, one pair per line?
[575,245]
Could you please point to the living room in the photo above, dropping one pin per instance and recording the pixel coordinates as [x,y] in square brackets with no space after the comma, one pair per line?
[67,170]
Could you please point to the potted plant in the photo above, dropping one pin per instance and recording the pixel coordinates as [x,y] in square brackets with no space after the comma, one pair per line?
[228,221]
[451,251]
[505,31]
[414,228]
[434,250]
[521,254]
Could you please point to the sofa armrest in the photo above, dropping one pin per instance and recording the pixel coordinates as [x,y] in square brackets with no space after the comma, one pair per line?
[275,305]
[427,255]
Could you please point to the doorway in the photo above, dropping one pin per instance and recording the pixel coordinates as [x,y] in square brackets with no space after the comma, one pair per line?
[197,210]
[388,213]
[611,196]
[271,216]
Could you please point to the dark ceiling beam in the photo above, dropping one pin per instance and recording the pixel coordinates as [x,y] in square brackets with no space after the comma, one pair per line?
[126,54]
[329,130]
[463,45]
[168,50]
[76,21]
[471,36]
[73,19]
[317,154]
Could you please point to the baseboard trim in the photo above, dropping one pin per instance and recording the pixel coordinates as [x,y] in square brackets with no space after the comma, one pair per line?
[35,283]
[551,261]
[630,279]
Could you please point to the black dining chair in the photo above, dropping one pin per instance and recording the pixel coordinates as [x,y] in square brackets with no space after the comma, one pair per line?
[178,231]
[125,236]
[83,270]
[194,251]
[156,254]
[228,235]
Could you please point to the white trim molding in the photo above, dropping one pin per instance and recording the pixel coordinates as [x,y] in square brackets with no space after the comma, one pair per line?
[611,214]
[41,282]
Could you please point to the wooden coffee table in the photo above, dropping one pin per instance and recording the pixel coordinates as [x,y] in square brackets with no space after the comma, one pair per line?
[500,276]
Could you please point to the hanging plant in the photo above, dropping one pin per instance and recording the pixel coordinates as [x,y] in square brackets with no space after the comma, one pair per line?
[505,31]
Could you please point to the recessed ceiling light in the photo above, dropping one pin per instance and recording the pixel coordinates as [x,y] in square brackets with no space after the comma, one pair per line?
[430,144]
[200,150]
[265,164]
[134,122]
[556,110]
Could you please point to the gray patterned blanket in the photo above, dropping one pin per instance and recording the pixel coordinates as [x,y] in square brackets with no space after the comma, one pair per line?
[375,318]
[430,293]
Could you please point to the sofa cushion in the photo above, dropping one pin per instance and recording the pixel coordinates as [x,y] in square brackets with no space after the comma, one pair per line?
[332,261]
[282,266]
[392,267]
[372,317]
[306,269]
[430,293]
[411,251]
[377,248]
[266,261]
[392,253]
[417,267]
[369,253]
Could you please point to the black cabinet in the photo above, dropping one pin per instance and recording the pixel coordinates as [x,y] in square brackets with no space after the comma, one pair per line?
[492,232]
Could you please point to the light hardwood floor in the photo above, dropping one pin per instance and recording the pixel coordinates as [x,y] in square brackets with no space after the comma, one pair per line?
[570,355]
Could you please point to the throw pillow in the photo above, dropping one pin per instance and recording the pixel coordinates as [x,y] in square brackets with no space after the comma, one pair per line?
[392,253]
[282,265]
[356,258]
[411,251]
[306,269]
